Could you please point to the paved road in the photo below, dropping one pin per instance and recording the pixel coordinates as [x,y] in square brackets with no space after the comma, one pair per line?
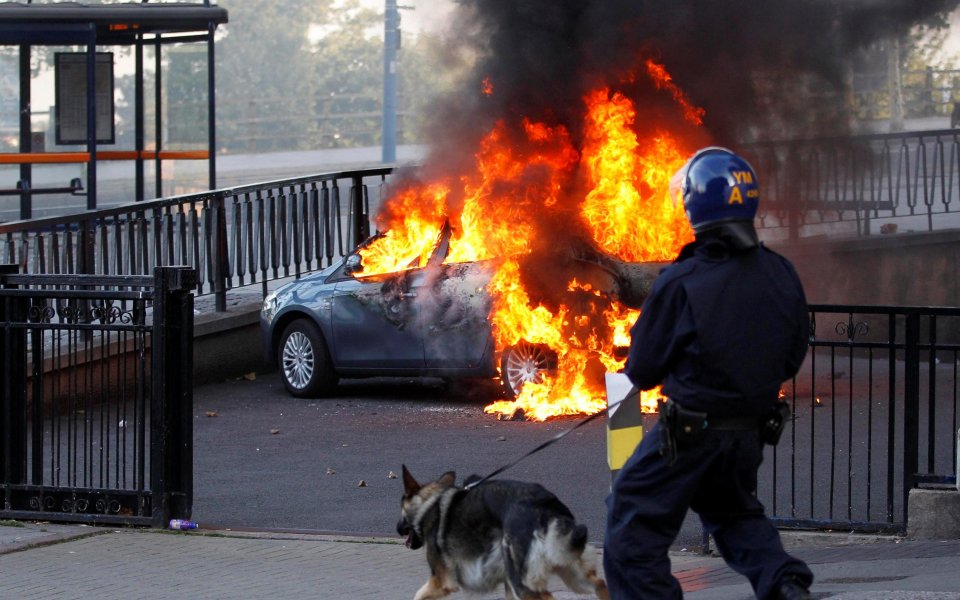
[269,460]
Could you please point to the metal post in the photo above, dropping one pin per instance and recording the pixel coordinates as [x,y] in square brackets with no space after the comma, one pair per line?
[211,108]
[220,249]
[391,42]
[360,221]
[138,126]
[92,118]
[911,406]
[26,169]
[13,389]
[171,410]
[157,117]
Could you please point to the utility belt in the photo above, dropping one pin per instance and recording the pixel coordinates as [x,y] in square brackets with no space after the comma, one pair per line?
[683,428]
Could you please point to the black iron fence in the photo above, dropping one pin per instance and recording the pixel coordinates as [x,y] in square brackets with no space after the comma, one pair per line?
[876,414]
[231,237]
[96,400]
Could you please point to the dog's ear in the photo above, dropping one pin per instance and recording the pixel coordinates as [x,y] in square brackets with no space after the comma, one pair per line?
[410,485]
[447,479]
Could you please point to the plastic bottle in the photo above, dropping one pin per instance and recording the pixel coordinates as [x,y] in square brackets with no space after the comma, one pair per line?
[182,524]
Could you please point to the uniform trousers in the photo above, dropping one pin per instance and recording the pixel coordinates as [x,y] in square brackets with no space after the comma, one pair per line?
[717,478]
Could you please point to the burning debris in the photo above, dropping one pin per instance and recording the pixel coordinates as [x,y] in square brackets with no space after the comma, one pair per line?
[560,152]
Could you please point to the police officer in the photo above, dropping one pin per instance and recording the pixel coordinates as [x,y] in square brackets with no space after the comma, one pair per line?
[722,328]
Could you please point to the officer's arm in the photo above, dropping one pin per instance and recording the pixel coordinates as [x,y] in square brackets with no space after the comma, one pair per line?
[655,340]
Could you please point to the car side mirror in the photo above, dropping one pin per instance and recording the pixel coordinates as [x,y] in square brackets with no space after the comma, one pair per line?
[352,264]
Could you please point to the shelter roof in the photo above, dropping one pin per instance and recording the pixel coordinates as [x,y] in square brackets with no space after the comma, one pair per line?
[70,22]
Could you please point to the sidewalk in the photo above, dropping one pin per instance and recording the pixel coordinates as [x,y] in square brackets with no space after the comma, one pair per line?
[41,561]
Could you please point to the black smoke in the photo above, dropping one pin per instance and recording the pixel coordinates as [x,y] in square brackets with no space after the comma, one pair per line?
[760,69]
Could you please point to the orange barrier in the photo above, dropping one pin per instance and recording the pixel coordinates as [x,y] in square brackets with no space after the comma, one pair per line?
[10,158]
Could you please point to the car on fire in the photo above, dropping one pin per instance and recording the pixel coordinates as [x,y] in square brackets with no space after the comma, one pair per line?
[420,321]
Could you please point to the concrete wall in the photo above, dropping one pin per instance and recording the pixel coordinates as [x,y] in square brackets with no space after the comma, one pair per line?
[898,269]
[227,345]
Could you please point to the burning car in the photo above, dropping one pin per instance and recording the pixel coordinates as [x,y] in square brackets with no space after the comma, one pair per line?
[430,319]
[528,260]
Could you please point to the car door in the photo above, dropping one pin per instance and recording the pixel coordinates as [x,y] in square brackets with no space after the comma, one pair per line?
[375,322]
[454,307]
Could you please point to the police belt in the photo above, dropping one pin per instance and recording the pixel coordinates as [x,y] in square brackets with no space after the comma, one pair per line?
[740,423]
[671,411]
[681,427]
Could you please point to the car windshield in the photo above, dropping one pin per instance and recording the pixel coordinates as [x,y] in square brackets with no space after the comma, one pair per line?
[379,256]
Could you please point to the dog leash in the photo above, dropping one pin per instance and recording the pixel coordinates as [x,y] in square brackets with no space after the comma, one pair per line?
[633,392]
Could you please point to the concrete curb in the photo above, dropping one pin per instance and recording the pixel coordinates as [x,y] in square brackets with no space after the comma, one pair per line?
[35,535]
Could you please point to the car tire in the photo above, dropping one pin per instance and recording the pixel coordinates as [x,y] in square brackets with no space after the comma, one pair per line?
[525,362]
[304,360]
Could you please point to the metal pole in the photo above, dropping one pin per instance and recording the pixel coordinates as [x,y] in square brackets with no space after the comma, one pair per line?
[391,41]
[138,119]
[26,169]
[158,110]
[211,107]
[911,406]
[92,118]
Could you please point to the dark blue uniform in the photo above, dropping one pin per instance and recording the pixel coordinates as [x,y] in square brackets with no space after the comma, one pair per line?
[721,330]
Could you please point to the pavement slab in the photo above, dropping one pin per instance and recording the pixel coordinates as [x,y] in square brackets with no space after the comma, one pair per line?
[39,561]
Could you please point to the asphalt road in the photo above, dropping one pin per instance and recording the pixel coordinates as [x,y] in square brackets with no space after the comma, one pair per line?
[263,459]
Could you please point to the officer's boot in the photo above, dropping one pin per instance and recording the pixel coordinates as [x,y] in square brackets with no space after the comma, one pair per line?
[792,589]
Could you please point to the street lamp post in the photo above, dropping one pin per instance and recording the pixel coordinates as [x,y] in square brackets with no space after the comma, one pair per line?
[391,43]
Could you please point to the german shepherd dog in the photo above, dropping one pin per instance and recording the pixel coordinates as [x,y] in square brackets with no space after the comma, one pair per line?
[499,532]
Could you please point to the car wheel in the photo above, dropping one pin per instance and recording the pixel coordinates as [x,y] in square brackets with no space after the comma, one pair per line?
[304,360]
[525,362]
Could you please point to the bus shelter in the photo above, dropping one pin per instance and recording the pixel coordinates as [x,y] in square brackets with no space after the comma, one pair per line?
[84,80]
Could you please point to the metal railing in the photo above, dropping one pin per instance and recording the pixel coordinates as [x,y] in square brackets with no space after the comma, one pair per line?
[875,415]
[232,237]
[904,181]
[96,397]
[267,231]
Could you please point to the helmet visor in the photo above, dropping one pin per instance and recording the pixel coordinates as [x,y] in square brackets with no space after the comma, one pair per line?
[677,184]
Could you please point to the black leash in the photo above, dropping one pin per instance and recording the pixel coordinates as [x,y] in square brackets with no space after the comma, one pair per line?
[633,391]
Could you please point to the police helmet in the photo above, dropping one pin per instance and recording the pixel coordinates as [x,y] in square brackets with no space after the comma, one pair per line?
[719,190]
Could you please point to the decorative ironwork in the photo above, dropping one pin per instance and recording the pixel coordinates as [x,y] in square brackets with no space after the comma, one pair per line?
[106,313]
[851,329]
[40,313]
[95,502]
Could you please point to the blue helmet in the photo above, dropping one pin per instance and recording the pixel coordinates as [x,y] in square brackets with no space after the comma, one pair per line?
[718,187]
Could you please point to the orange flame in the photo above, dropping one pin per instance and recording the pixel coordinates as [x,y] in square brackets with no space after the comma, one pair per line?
[663,80]
[629,210]
[486,87]
[412,228]
[529,182]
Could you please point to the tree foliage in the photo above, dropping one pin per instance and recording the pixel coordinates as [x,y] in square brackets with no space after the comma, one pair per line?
[264,73]
[302,75]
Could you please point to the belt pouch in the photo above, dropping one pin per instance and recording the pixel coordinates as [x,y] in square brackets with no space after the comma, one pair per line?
[690,426]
